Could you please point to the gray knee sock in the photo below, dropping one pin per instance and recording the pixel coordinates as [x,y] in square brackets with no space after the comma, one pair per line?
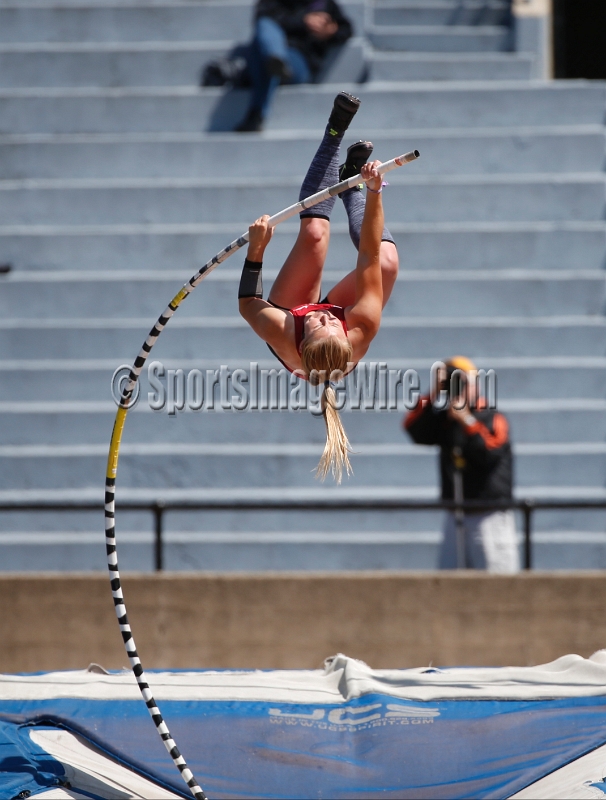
[323,172]
[355,203]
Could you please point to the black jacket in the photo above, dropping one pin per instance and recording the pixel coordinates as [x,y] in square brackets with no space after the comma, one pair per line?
[485,447]
[289,16]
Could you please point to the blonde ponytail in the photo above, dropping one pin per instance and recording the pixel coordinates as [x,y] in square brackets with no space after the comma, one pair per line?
[335,457]
[325,360]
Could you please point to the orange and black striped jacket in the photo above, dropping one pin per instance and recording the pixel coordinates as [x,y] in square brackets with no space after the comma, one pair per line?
[485,446]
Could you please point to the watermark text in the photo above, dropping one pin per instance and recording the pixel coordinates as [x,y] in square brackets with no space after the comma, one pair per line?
[371,386]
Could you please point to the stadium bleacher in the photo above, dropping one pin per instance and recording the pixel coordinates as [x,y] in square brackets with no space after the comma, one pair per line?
[119,178]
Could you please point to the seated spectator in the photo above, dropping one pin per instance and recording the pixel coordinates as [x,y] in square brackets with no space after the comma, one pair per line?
[291,41]
[474,442]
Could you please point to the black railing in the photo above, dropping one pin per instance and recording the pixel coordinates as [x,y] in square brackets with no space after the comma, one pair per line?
[158,508]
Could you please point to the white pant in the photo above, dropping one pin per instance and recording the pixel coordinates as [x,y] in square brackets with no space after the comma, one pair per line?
[490,542]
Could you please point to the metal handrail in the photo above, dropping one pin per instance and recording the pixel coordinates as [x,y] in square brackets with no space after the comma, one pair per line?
[157,508]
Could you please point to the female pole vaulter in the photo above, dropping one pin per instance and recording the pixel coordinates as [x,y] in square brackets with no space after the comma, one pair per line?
[322,340]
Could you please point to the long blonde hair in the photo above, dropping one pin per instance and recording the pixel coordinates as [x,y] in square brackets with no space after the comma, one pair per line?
[324,360]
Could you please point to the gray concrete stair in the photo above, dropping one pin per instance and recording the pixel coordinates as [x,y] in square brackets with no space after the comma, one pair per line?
[132,20]
[126,21]
[471,245]
[82,386]
[417,293]
[441,38]
[227,466]
[431,66]
[440,12]
[386,105]
[179,63]
[107,63]
[228,338]
[25,423]
[575,148]
[448,198]
[444,41]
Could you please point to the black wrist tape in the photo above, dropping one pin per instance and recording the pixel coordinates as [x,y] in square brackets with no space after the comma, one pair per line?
[251,282]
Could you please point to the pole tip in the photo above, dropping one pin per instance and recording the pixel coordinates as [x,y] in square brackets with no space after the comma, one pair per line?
[407,157]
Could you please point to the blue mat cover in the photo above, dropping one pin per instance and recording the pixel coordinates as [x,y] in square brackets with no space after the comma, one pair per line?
[370,747]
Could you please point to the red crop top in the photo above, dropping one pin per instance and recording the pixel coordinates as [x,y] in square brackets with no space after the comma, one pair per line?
[300,312]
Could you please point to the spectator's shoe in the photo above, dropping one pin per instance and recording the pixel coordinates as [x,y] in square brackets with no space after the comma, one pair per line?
[252,122]
[221,71]
[357,155]
[343,111]
[278,68]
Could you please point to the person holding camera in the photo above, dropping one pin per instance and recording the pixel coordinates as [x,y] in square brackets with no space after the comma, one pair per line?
[475,465]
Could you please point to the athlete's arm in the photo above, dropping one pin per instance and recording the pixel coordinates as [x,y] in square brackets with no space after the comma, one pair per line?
[365,313]
[266,320]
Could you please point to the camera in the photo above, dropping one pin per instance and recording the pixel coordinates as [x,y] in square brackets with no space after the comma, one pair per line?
[460,382]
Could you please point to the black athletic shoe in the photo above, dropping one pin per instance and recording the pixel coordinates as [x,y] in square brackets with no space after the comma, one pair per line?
[252,122]
[222,71]
[343,111]
[357,155]
[279,68]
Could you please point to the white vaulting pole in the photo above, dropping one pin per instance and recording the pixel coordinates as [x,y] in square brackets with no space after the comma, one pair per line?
[114,452]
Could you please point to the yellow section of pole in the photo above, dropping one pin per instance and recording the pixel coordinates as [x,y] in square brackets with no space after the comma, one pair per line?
[114,446]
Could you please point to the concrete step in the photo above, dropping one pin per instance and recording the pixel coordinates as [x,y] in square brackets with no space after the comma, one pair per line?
[278,524]
[92,427]
[131,20]
[225,553]
[230,338]
[268,493]
[477,245]
[569,420]
[410,66]
[417,293]
[81,551]
[277,527]
[467,150]
[99,64]
[440,198]
[98,22]
[575,548]
[81,387]
[198,465]
[158,63]
[441,38]
[440,12]
[385,105]
[202,466]
[567,520]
